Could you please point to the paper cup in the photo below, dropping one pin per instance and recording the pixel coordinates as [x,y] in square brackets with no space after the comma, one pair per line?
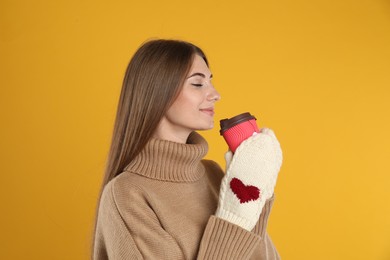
[237,129]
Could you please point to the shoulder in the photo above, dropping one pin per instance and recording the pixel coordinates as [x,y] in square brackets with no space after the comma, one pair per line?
[120,185]
[123,194]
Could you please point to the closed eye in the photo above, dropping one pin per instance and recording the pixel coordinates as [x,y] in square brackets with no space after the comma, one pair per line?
[196,85]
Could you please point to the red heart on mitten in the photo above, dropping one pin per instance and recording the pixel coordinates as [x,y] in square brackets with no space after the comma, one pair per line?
[244,192]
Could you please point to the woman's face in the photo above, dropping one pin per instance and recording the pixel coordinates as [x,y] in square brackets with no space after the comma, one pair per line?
[194,107]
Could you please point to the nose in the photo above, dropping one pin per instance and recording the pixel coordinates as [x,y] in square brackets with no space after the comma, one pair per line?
[213,95]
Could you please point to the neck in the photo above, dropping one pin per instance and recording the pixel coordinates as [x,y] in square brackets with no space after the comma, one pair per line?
[177,137]
[171,133]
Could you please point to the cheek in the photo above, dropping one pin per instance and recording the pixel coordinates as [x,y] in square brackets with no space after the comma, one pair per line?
[190,101]
[182,107]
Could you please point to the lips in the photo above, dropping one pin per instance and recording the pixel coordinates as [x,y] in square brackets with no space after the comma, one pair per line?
[209,111]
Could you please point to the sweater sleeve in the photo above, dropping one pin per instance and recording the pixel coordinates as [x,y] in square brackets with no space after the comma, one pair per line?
[130,233]
[128,228]
[112,237]
[224,240]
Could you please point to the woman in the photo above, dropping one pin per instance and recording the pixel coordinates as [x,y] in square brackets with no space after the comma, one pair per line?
[160,199]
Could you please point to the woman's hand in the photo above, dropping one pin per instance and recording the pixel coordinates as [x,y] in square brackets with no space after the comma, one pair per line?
[250,179]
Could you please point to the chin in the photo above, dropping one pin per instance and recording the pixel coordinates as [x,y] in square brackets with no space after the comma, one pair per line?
[204,125]
[208,127]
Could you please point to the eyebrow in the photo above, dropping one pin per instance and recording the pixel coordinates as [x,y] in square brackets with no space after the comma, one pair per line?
[199,74]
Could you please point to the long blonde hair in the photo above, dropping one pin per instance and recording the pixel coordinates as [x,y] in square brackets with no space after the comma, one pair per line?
[152,82]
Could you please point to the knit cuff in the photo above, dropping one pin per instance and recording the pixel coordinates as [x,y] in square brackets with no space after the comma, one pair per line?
[261,226]
[224,240]
[235,219]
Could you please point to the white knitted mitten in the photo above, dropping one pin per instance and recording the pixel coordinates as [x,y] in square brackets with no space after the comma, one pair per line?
[250,179]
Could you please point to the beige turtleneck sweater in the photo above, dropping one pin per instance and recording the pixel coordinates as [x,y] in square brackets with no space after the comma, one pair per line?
[162,206]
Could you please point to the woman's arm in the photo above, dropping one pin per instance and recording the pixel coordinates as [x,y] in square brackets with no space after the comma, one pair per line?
[139,235]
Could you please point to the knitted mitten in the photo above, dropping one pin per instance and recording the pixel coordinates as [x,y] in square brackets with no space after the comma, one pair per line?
[250,179]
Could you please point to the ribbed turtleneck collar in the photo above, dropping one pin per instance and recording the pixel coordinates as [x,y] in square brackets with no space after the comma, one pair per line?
[170,161]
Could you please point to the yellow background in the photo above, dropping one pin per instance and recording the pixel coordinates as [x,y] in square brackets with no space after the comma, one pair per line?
[317,72]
